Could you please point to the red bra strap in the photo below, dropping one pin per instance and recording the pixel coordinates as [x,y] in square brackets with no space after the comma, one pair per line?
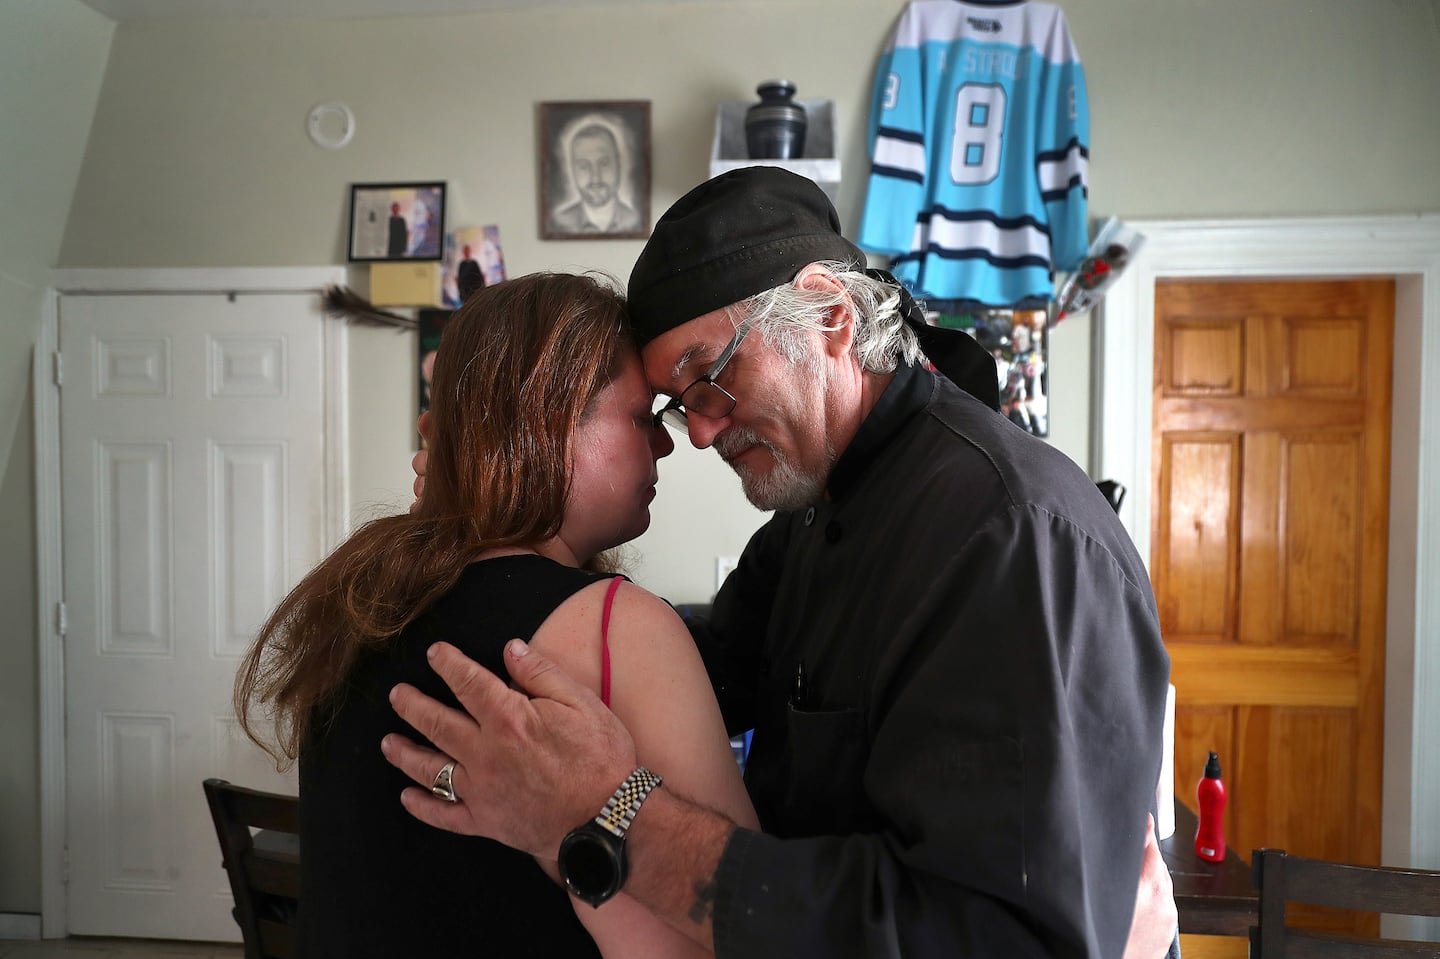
[605,642]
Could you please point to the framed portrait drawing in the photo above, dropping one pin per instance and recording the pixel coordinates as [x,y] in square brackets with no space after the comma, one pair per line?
[396,221]
[594,169]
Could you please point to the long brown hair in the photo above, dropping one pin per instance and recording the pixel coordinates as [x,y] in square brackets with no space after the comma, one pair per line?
[519,365]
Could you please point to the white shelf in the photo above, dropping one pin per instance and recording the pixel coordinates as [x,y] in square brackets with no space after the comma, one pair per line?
[819,161]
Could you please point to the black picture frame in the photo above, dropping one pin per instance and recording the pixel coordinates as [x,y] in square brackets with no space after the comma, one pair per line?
[614,140]
[379,211]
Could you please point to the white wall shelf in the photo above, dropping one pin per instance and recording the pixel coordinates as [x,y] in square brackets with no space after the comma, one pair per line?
[819,161]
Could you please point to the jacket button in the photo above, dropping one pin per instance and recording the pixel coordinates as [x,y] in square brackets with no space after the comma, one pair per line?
[833,532]
[809,516]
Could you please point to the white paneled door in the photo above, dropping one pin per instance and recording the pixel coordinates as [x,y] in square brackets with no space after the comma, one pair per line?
[191,451]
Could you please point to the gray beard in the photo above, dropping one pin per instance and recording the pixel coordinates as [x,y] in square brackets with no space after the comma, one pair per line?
[786,487]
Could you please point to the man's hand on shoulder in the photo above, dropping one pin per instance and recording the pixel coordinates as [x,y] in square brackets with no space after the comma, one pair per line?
[528,768]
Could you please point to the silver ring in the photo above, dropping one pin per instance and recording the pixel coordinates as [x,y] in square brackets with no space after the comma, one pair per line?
[444,785]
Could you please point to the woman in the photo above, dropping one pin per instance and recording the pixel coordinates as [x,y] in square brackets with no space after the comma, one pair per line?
[542,455]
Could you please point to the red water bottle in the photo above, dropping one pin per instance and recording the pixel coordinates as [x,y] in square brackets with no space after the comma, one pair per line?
[1210,792]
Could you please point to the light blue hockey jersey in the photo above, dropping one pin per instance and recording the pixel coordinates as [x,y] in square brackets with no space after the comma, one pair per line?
[979,145]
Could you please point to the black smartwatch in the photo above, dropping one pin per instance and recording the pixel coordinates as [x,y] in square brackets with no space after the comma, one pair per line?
[592,857]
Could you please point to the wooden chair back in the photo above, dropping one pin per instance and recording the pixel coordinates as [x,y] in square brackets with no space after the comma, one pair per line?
[1282,878]
[263,866]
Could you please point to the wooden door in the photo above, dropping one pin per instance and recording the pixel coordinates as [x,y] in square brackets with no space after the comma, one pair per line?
[1271,441]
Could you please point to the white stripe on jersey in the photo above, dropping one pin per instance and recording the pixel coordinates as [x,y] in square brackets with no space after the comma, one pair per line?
[1057,174]
[984,235]
[923,22]
[900,154]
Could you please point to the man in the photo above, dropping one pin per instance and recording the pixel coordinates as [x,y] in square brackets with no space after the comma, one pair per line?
[468,276]
[943,639]
[595,174]
[398,239]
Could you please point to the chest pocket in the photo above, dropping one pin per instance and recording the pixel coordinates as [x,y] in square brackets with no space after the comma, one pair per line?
[812,783]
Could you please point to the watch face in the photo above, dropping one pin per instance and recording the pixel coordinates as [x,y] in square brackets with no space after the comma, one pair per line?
[593,863]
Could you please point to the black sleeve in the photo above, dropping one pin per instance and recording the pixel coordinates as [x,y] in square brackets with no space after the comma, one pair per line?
[731,637]
[1014,746]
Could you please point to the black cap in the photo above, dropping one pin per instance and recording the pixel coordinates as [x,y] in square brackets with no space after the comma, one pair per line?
[1212,766]
[741,233]
[751,230]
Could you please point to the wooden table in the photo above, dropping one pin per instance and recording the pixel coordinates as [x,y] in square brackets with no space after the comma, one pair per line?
[1213,898]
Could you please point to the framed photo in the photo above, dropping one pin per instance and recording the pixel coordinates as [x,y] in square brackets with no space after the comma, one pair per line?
[1018,341]
[473,259]
[430,324]
[396,221]
[594,169]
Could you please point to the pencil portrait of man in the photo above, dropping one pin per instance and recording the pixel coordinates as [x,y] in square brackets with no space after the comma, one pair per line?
[595,171]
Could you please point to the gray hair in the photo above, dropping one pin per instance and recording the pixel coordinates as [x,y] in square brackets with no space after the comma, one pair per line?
[882,337]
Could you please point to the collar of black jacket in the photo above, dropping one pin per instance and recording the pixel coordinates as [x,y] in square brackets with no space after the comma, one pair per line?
[906,395]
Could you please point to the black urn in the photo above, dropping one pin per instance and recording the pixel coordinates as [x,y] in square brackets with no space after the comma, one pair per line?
[775,127]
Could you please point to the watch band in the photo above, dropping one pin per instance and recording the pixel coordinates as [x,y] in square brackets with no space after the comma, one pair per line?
[620,809]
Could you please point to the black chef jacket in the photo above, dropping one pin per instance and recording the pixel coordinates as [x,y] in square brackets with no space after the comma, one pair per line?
[954,671]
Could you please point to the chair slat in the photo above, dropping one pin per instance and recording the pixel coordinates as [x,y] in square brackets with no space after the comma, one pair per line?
[1411,892]
[1282,879]
[273,878]
[1307,944]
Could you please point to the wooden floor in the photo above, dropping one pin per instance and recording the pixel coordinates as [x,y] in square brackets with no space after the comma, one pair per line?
[1205,947]
[87,948]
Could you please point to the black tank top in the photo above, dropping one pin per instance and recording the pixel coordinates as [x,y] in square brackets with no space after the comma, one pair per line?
[374,880]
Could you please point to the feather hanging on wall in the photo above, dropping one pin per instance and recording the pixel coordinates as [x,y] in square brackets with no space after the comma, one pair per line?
[345,303]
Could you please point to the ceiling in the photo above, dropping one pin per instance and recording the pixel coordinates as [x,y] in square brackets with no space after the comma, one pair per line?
[331,9]
[124,10]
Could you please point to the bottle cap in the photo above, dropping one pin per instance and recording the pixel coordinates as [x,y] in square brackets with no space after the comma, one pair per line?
[1212,766]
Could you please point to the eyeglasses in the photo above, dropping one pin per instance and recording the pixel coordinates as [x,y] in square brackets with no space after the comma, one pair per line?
[703,396]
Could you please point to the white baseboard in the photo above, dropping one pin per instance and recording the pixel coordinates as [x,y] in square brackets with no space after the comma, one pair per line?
[19,925]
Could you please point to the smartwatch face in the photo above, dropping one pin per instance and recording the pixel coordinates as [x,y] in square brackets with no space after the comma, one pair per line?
[589,867]
[593,864]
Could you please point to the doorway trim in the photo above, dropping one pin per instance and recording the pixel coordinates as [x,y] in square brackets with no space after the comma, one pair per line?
[1406,248]
[49,574]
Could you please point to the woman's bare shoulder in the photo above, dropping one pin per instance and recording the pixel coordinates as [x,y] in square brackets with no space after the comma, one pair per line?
[571,634]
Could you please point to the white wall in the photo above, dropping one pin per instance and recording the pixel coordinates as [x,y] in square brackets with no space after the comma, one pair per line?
[1289,107]
[198,157]
[52,59]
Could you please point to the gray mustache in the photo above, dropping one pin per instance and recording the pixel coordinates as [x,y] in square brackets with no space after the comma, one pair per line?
[737,438]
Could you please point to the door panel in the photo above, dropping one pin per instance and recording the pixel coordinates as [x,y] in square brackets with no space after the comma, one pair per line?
[1199,561]
[1271,445]
[192,444]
